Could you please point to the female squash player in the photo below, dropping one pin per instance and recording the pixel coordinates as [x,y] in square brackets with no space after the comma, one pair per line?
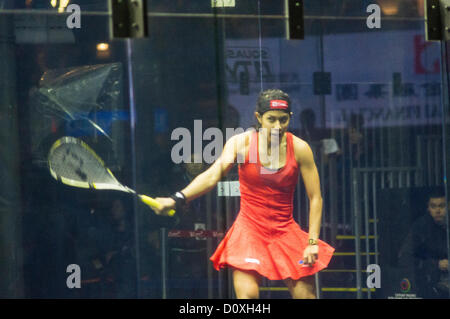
[264,240]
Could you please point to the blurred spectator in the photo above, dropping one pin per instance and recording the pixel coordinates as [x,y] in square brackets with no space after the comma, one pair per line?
[425,251]
[355,136]
[352,153]
[88,241]
[120,255]
[308,130]
[322,145]
[189,252]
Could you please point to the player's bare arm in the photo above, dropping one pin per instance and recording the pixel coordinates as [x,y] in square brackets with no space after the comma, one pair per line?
[308,169]
[207,180]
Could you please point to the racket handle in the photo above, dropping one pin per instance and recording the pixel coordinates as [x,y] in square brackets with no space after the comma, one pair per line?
[153,203]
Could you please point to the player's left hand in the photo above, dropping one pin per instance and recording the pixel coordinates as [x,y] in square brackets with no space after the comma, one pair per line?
[310,255]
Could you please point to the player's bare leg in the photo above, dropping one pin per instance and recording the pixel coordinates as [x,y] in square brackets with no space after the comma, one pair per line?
[303,288]
[246,284]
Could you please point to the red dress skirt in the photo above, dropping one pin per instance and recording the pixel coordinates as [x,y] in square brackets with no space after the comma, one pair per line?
[264,237]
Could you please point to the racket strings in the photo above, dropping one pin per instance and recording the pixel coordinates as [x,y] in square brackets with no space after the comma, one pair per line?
[74,162]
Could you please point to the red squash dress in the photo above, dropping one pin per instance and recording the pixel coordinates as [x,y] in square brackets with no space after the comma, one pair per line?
[264,237]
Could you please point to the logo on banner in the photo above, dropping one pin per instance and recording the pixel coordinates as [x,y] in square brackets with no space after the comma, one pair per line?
[249,63]
[405,285]
[278,104]
[422,62]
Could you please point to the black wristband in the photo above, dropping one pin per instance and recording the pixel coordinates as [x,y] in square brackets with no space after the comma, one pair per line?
[180,199]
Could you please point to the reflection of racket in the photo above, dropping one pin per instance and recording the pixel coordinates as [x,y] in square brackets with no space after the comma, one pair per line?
[74,163]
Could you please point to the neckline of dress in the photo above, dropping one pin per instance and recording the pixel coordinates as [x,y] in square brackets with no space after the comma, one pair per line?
[276,170]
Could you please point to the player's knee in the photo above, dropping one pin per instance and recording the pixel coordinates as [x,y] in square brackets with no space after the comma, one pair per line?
[247,292]
[246,285]
[304,294]
[246,289]
[304,289]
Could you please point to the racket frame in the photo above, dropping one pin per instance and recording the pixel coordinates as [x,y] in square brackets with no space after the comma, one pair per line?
[98,186]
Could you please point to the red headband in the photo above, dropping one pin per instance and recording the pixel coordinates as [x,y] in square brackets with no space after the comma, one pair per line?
[278,104]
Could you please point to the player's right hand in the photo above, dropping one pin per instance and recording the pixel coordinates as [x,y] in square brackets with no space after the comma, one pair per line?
[166,205]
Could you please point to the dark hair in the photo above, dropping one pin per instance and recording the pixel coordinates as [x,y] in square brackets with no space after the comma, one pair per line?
[355,121]
[437,192]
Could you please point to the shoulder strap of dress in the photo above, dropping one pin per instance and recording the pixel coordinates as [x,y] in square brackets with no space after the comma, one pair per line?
[290,146]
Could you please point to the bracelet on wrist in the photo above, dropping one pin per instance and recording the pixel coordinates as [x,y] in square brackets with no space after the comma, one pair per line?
[312,242]
[180,200]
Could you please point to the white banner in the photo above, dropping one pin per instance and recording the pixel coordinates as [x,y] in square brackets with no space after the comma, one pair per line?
[391,78]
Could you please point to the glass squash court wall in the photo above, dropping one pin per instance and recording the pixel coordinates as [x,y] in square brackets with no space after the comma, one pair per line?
[369,101]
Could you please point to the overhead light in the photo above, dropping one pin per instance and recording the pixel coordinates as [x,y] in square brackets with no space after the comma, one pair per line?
[389,7]
[103,50]
[62,4]
[102,47]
